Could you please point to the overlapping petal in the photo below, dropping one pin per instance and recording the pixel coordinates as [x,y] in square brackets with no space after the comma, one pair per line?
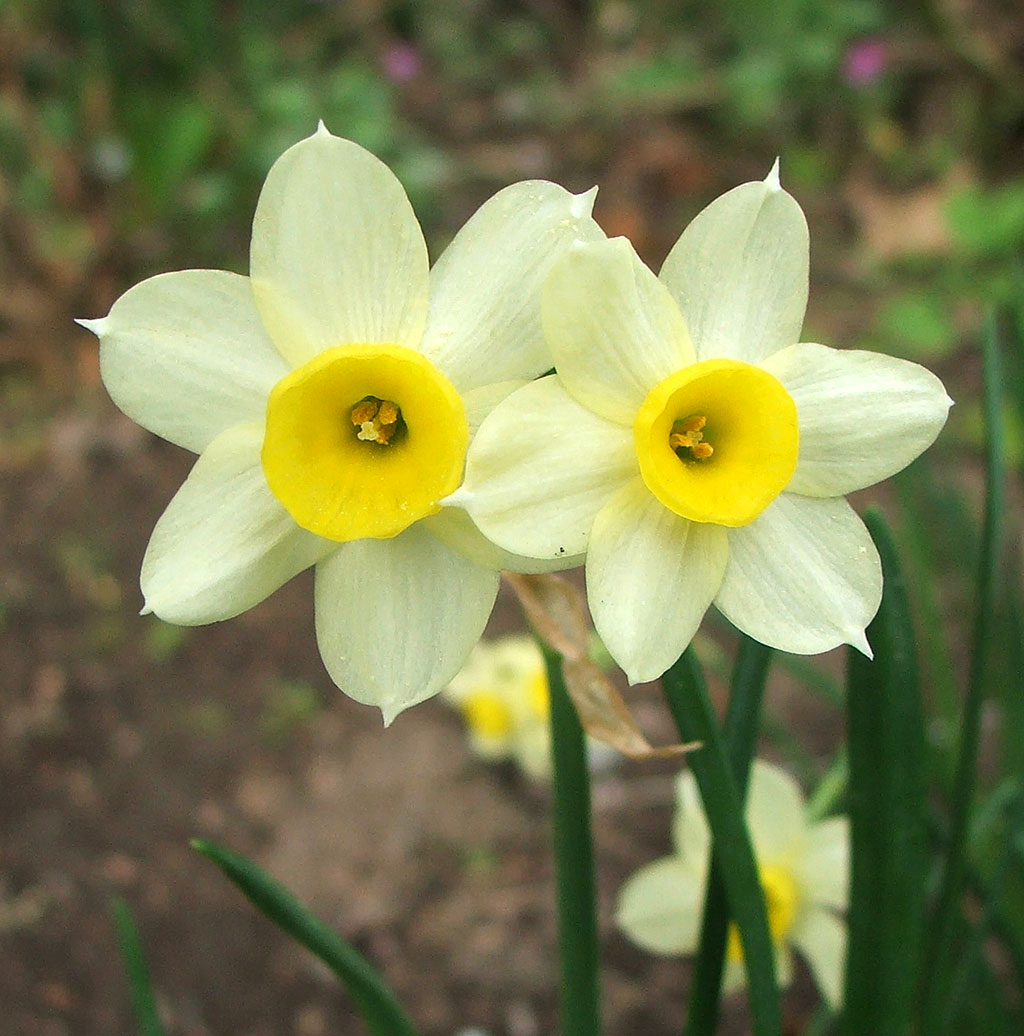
[540,468]
[646,610]
[337,254]
[740,271]
[453,526]
[614,329]
[186,356]
[803,577]
[863,416]
[224,543]
[396,619]
[484,319]
[660,907]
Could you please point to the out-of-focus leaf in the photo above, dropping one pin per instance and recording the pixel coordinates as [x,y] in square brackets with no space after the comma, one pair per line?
[375,1000]
[140,986]
[887,797]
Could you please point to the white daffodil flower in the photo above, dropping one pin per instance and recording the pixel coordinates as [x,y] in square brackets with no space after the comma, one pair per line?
[502,693]
[692,450]
[804,869]
[331,396]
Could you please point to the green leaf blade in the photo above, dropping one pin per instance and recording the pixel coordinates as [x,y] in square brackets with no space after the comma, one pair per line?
[374,999]
[887,807]
[140,985]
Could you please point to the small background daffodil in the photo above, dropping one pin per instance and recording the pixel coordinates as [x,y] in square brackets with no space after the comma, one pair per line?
[804,869]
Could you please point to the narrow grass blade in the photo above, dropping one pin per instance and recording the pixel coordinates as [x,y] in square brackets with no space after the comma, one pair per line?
[742,721]
[574,861]
[688,701]
[947,907]
[375,1000]
[140,986]
[887,799]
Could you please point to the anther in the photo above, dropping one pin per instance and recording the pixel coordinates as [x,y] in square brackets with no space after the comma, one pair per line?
[376,420]
[687,434]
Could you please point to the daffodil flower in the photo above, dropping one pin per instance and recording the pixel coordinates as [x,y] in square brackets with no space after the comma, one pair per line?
[694,449]
[331,396]
[502,693]
[804,869]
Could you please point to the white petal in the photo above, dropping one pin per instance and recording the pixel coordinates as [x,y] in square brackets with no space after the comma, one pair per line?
[650,577]
[453,526]
[479,402]
[484,319]
[540,468]
[863,416]
[802,577]
[337,255]
[739,273]
[186,356]
[614,330]
[824,867]
[396,619]
[660,906]
[690,833]
[775,815]
[224,543]
[821,937]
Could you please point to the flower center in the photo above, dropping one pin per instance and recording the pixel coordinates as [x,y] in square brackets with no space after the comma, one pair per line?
[328,424]
[781,900]
[717,441]
[377,420]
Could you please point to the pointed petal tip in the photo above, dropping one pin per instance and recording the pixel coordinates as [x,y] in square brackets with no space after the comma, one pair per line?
[389,713]
[96,326]
[321,129]
[582,205]
[858,639]
[772,180]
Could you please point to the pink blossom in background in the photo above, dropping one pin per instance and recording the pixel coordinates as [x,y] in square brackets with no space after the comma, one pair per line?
[865,61]
[401,62]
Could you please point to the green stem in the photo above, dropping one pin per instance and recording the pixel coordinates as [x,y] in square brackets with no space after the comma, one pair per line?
[574,861]
[740,733]
[688,701]
[948,900]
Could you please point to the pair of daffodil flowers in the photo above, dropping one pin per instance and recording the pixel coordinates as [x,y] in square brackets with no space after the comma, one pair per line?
[392,425]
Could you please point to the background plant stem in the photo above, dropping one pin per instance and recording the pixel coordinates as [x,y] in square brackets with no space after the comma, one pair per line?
[574,861]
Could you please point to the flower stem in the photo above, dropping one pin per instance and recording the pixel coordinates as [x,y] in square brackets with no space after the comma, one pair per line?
[574,861]
[688,701]
[742,720]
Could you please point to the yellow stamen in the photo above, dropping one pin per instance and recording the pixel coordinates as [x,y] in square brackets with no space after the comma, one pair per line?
[687,435]
[376,419]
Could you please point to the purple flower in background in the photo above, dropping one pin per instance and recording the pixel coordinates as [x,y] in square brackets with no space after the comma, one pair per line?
[401,62]
[865,61]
